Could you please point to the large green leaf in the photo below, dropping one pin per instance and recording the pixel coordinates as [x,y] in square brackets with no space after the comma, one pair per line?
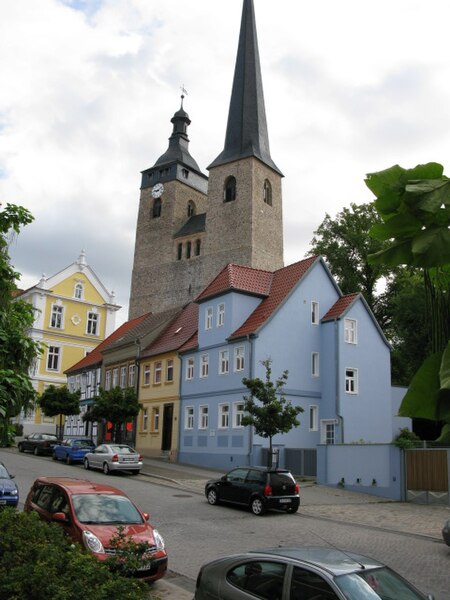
[431,247]
[399,225]
[397,254]
[444,371]
[432,194]
[421,399]
[444,438]
[381,181]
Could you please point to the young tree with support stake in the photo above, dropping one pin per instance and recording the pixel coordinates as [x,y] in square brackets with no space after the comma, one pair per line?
[275,414]
[57,400]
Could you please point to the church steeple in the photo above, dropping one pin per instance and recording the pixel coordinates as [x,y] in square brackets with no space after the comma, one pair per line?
[246,133]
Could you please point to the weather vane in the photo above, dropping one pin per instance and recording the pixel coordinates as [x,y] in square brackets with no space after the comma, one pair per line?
[183,93]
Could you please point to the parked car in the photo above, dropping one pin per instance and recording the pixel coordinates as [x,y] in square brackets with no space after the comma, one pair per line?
[91,514]
[9,492]
[73,449]
[446,533]
[38,443]
[259,488]
[301,573]
[112,458]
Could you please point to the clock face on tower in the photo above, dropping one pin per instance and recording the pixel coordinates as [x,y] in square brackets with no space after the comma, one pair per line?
[157,190]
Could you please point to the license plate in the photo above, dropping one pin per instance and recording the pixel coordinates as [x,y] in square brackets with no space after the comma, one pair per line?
[285,500]
[2,501]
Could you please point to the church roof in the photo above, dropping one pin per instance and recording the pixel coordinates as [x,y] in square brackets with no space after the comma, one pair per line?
[195,224]
[247,133]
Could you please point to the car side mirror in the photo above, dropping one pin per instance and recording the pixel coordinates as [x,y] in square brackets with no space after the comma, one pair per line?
[12,476]
[430,597]
[146,516]
[60,517]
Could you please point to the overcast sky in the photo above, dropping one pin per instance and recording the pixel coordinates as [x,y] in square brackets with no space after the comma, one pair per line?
[88,88]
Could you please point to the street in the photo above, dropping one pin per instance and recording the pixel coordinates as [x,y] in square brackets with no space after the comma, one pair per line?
[196,532]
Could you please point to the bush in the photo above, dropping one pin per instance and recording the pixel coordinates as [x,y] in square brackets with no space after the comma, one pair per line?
[38,562]
[407,439]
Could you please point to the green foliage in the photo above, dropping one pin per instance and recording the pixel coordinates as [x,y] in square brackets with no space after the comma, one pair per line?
[117,405]
[275,414]
[58,400]
[130,555]
[407,439]
[38,562]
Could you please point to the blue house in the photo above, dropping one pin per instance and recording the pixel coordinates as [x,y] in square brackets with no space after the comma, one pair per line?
[334,350]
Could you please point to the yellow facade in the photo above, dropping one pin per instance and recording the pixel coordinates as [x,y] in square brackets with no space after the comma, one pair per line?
[157,425]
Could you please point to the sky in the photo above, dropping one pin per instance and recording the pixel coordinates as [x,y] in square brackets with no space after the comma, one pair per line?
[88,88]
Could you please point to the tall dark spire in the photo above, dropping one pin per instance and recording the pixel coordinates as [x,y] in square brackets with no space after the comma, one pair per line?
[247,127]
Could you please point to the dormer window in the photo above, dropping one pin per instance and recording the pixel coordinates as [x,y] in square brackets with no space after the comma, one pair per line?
[78,291]
[229,191]
[267,192]
[156,213]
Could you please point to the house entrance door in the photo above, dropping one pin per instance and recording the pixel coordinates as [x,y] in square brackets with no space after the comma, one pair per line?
[166,443]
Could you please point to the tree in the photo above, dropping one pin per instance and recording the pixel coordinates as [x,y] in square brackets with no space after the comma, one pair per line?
[17,350]
[119,406]
[57,400]
[276,415]
[414,205]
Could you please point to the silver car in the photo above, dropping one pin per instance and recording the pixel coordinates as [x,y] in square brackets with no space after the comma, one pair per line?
[301,574]
[114,457]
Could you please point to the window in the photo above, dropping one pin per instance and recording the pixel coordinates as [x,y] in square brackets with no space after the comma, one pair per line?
[313,418]
[169,370]
[203,420]
[180,251]
[156,213]
[238,413]
[108,380]
[261,579]
[185,173]
[155,419]
[223,362]
[190,368]
[144,419]
[327,433]
[56,319]
[307,584]
[198,245]
[53,358]
[115,377]
[189,417]
[78,291]
[157,372]
[204,365]
[208,317]
[351,381]
[267,192]
[146,375]
[131,375]
[315,313]
[190,209]
[229,190]
[92,323]
[350,331]
[224,416]
[188,249]
[239,358]
[315,364]
[123,377]
[220,315]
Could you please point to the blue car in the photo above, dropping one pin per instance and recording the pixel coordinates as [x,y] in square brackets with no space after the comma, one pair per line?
[9,493]
[73,449]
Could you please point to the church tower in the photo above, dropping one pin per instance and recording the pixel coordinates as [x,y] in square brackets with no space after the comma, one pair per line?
[188,229]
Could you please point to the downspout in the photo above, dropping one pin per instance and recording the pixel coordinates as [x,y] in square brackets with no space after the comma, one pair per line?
[137,363]
[337,380]
[250,375]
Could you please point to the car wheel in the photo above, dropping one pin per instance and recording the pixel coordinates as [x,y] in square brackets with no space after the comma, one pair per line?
[211,496]
[86,464]
[257,506]
[21,448]
[292,509]
[68,459]
[54,456]
[36,451]
[105,468]
[134,472]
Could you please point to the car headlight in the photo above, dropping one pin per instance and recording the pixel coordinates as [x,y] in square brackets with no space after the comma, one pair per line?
[92,542]
[159,540]
[14,492]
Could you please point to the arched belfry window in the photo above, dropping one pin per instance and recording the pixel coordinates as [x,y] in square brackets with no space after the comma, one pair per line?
[267,192]
[188,249]
[229,190]
[198,245]
[156,208]
[190,209]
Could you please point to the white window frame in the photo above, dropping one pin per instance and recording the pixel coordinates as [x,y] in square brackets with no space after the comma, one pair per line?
[208,318]
[220,314]
[57,316]
[169,370]
[54,358]
[238,413]
[204,366]
[314,312]
[239,358]
[78,291]
[223,416]
[328,431]
[224,362]
[146,375]
[350,331]
[93,323]
[190,365]
[155,418]
[313,417]
[157,372]
[115,377]
[144,419]
[203,416]
[315,366]
[351,380]
[189,417]
[123,377]
[108,380]
[131,375]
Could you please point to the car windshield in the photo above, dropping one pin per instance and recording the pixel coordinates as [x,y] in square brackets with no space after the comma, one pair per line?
[376,584]
[49,436]
[3,472]
[123,450]
[105,509]
[81,443]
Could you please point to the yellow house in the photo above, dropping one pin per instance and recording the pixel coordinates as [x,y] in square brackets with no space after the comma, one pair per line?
[159,386]
[74,313]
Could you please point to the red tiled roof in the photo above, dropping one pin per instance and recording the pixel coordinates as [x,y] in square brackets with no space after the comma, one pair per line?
[283,281]
[191,344]
[239,278]
[340,307]
[95,356]
[179,331]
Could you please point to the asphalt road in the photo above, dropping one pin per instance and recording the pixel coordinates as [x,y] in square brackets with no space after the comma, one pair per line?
[196,532]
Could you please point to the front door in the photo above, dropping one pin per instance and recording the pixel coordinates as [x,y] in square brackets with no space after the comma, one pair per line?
[166,442]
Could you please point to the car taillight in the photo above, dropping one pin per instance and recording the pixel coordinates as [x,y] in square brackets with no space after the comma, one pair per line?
[115,458]
[140,457]
[268,490]
[296,488]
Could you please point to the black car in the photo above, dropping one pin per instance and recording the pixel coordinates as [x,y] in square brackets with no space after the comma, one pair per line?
[259,488]
[446,532]
[38,443]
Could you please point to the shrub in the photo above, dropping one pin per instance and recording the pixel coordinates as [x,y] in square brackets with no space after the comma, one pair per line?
[38,562]
[406,439]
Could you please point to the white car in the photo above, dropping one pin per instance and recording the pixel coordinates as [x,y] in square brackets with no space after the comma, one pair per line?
[114,457]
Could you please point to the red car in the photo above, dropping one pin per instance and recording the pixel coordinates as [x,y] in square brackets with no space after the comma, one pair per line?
[90,514]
